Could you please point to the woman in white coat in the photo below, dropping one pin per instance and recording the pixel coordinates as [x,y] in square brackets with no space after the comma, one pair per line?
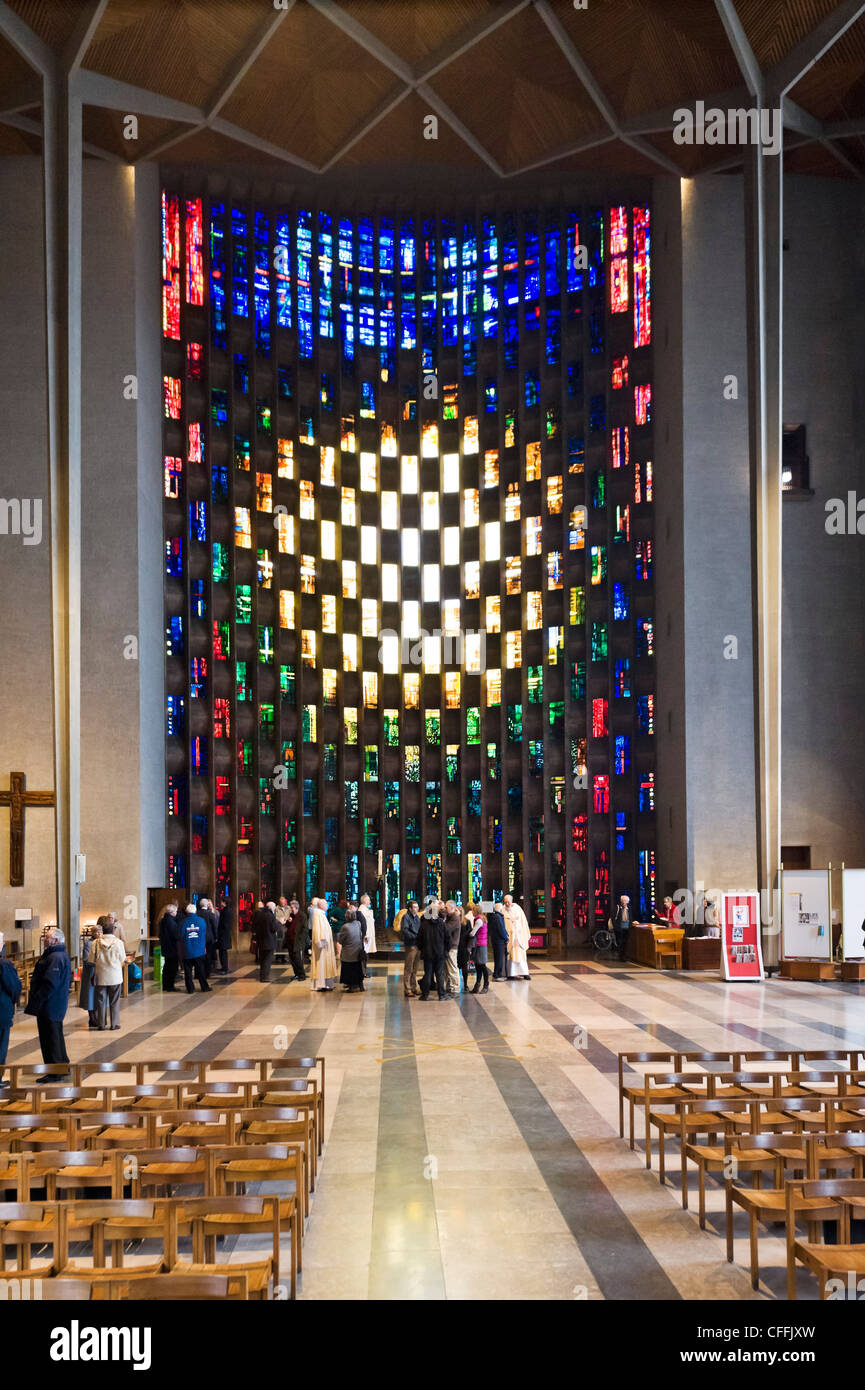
[107,955]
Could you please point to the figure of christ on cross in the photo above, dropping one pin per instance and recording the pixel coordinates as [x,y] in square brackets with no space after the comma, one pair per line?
[17,799]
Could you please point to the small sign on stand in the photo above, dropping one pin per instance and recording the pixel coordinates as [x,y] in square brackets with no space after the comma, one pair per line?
[741,952]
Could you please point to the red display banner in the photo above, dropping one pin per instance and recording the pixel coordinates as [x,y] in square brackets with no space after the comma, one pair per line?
[741,952]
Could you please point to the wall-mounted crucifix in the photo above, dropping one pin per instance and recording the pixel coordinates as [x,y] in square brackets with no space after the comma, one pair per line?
[17,798]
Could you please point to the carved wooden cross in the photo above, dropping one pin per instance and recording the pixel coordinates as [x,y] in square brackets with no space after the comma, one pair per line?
[17,798]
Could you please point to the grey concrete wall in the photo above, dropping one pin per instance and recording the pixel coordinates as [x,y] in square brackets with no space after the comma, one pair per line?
[26,737]
[823,782]
[122,801]
[671,794]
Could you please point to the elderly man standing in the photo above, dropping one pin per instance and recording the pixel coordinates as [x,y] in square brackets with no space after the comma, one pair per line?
[10,989]
[266,929]
[410,926]
[453,927]
[518,939]
[193,944]
[49,997]
[323,970]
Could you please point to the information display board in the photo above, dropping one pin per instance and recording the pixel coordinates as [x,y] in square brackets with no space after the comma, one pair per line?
[806,932]
[853,913]
[741,953]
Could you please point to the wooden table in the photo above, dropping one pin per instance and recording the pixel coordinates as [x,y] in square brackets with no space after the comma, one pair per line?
[644,945]
[701,953]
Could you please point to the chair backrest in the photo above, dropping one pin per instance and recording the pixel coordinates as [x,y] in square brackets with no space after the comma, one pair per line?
[180,1287]
[292,1064]
[270,1114]
[71,1158]
[22,1211]
[141,1157]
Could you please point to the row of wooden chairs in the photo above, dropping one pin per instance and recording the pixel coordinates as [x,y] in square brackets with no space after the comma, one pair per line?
[222,1170]
[83,1101]
[106,1227]
[795,1127]
[631,1088]
[176,1287]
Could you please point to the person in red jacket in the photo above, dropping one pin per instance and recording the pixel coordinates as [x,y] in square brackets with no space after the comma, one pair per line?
[669,913]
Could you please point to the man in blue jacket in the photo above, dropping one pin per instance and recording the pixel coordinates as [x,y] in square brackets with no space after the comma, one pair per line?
[10,989]
[49,998]
[193,946]
[498,936]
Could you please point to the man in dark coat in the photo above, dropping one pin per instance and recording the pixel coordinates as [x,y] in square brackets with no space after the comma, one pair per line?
[432,940]
[193,944]
[169,942]
[224,932]
[10,990]
[297,936]
[498,935]
[266,929]
[410,927]
[622,920]
[49,997]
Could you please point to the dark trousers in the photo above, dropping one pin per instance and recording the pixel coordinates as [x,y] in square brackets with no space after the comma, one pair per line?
[265,961]
[621,935]
[464,971]
[481,974]
[108,1001]
[199,967]
[51,1039]
[5,1030]
[500,951]
[210,957]
[433,969]
[223,959]
[296,955]
[169,972]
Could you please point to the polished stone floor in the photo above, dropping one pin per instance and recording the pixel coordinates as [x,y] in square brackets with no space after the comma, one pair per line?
[472,1146]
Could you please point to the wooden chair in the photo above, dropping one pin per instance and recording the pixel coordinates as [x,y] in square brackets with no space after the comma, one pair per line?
[198,1127]
[239,1164]
[660,1110]
[280,1088]
[23,1225]
[83,1071]
[214,1217]
[218,1095]
[761,1205]
[710,1158]
[110,1129]
[13,1168]
[77,1171]
[113,1224]
[53,1290]
[668,946]
[166,1168]
[634,1091]
[181,1287]
[281,1124]
[23,1074]
[17,1102]
[128,1096]
[49,1100]
[828,1200]
[152,1073]
[21,1132]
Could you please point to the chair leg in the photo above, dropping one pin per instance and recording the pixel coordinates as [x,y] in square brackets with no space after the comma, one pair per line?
[684,1177]
[662,1170]
[701,1173]
[755,1266]
[729,1216]
[631,1120]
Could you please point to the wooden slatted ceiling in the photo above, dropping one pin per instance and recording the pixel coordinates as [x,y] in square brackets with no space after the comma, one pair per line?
[647,54]
[208,147]
[104,129]
[415,29]
[399,139]
[54,23]
[311,88]
[183,49]
[834,89]
[15,74]
[517,94]
[774,26]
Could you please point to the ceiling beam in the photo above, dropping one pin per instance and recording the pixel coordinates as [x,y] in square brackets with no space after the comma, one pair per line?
[381,111]
[362,36]
[662,120]
[803,55]
[649,152]
[31,127]
[246,60]
[98,90]
[25,42]
[467,38]
[19,95]
[255,142]
[82,35]
[588,142]
[796,118]
[413,81]
[843,158]
[742,50]
[576,62]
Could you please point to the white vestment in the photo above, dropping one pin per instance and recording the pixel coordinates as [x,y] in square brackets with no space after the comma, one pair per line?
[323,968]
[369,930]
[518,939]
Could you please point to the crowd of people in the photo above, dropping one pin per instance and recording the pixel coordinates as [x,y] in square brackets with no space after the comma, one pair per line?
[447,938]
[199,940]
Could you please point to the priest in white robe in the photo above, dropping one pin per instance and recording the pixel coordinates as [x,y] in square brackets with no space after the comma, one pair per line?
[323,969]
[518,939]
[365,911]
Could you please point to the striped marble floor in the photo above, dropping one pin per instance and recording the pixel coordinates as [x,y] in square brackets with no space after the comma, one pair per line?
[472,1147]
